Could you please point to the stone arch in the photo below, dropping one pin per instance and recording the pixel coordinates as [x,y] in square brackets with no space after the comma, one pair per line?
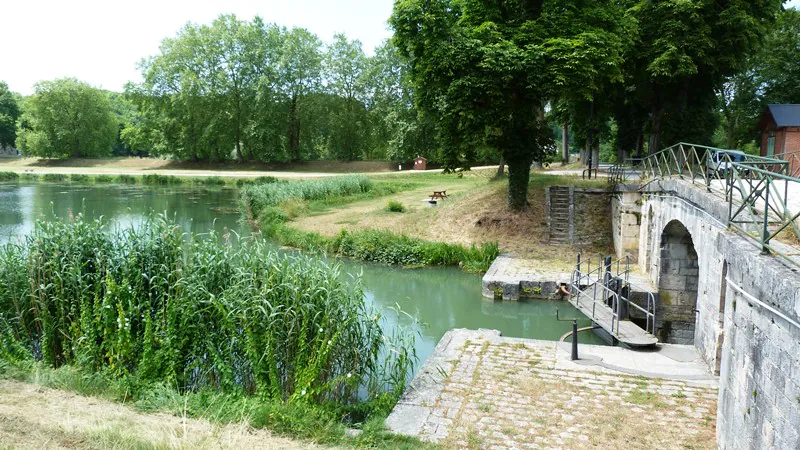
[677,285]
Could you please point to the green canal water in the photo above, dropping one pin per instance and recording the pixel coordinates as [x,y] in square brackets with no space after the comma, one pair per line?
[439,298]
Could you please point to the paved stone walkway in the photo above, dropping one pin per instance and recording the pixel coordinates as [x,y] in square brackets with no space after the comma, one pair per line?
[480,390]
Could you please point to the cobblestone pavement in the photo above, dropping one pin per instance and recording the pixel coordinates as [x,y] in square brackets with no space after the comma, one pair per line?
[484,391]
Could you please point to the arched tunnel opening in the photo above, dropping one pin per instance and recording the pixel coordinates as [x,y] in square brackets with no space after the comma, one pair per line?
[677,285]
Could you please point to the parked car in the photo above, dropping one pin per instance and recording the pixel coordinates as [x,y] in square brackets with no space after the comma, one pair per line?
[719,162]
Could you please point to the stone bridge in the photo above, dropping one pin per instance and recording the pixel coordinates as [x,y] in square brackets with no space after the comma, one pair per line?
[740,308]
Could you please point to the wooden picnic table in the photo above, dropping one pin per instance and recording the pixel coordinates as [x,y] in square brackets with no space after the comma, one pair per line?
[439,194]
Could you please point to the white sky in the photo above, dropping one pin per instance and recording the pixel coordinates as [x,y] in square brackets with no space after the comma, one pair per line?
[100,42]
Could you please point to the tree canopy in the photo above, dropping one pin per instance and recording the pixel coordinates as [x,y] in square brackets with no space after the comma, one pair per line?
[9,112]
[67,118]
[486,69]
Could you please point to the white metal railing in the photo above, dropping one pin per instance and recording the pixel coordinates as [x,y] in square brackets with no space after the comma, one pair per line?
[586,284]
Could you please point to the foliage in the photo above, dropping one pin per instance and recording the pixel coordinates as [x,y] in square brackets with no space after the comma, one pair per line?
[256,198]
[66,118]
[249,90]
[9,176]
[485,71]
[151,304]
[154,178]
[55,177]
[9,113]
[395,206]
[79,178]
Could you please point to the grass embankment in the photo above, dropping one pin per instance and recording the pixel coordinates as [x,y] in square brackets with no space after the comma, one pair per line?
[476,212]
[196,326]
[148,179]
[272,206]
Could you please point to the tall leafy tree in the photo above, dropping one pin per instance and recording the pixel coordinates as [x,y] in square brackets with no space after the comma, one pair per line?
[67,118]
[300,74]
[778,64]
[486,68]
[9,113]
[684,50]
[346,69]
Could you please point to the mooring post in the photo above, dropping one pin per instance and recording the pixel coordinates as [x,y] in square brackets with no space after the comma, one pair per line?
[574,356]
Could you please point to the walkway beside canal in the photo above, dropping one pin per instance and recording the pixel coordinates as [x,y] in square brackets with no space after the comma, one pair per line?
[482,390]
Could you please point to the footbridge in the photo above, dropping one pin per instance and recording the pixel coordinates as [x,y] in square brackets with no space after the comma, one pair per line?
[717,233]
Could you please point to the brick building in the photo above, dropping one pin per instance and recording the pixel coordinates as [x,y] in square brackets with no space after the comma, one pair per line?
[780,134]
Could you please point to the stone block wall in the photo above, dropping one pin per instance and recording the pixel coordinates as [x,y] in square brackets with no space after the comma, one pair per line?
[747,326]
[592,216]
[759,405]
[626,221]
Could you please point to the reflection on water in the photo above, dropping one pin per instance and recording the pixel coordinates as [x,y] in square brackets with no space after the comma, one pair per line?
[440,298]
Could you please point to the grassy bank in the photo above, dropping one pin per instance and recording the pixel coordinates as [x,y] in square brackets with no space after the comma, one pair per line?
[153,316]
[273,206]
[146,179]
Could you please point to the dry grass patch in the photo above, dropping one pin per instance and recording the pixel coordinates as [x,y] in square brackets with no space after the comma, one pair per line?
[37,417]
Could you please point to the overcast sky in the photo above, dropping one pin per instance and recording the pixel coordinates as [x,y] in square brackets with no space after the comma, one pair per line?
[100,41]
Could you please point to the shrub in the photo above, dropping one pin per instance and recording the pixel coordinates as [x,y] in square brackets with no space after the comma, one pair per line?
[29,177]
[154,178]
[79,178]
[152,305]
[9,176]
[212,181]
[104,179]
[54,177]
[126,179]
[395,206]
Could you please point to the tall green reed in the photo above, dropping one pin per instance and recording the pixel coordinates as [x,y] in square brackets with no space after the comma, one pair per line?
[197,312]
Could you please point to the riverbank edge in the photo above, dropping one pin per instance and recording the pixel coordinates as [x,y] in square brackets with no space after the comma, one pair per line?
[301,421]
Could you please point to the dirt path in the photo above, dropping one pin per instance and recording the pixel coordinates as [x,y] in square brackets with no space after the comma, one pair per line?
[32,416]
[143,166]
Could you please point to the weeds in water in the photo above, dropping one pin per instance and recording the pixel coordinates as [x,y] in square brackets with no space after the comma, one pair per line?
[9,176]
[126,179]
[79,178]
[257,197]
[104,179]
[210,181]
[154,178]
[152,305]
[54,177]
[29,177]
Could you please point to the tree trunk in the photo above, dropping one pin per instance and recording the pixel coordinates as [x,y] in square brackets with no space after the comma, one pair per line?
[501,169]
[565,143]
[596,154]
[294,131]
[519,173]
[585,154]
[640,146]
[655,130]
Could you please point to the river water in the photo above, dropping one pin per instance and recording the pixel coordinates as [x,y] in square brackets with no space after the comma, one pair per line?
[439,298]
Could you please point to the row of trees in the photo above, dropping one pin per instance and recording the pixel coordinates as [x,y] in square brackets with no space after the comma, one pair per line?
[233,90]
[256,91]
[486,71]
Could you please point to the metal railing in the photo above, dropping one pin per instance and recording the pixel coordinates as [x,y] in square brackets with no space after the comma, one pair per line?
[586,284]
[794,161]
[625,172]
[757,188]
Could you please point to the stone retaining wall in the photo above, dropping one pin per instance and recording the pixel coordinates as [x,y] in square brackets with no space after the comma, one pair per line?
[747,324]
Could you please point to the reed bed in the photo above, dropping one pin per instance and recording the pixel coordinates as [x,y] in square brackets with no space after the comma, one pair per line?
[256,198]
[155,305]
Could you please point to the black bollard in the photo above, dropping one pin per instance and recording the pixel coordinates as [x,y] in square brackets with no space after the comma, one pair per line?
[574,356]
